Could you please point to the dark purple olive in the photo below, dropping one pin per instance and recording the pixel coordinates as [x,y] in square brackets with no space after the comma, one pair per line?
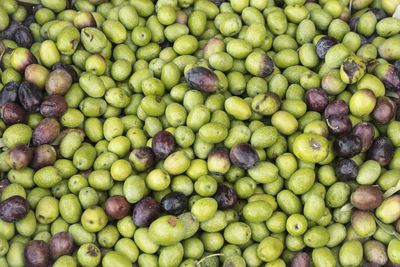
[36,254]
[217,2]
[12,113]
[30,96]
[58,82]
[316,99]
[218,161]
[379,13]
[339,124]
[9,93]
[366,132]
[398,226]
[61,244]
[43,155]
[174,203]
[9,32]
[142,158]
[163,144]
[202,79]
[29,20]
[23,37]
[391,264]
[3,184]
[45,132]
[13,209]
[366,197]
[384,110]
[225,196]
[68,68]
[53,107]
[370,264]
[19,157]
[346,169]
[145,212]
[353,22]
[397,64]
[381,150]
[336,107]
[347,146]
[243,156]
[117,207]
[324,44]
[301,259]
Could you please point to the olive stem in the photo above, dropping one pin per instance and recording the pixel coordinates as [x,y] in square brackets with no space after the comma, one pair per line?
[209,256]
[350,5]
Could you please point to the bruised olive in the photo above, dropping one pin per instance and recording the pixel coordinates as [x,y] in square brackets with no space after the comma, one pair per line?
[36,74]
[381,150]
[347,146]
[336,107]
[339,124]
[13,209]
[163,144]
[324,44]
[36,254]
[9,93]
[58,82]
[384,110]
[352,70]
[45,132]
[146,211]
[61,244]
[23,37]
[68,68]
[21,58]
[174,203]
[84,19]
[12,113]
[375,252]
[9,32]
[243,156]
[218,161]
[43,155]
[225,196]
[346,169]
[202,79]
[366,132]
[117,207]
[389,75]
[301,259]
[142,158]
[30,96]
[3,184]
[316,99]
[54,106]
[19,157]
[366,197]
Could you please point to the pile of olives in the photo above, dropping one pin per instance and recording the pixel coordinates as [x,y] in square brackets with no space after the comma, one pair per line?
[199,133]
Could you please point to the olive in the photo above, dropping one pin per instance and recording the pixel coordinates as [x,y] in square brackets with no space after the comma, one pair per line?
[30,96]
[117,207]
[58,82]
[68,68]
[163,144]
[12,113]
[142,158]
[346,169]
[36,254]
[202,79]
[174,203]
[9,32]
[347,146]
[353,23]
[381,150]
[244,156]
[301,259]
[43,155]
[324,44]
[9,93]
[366,197]
[53,107]
[316,99]
[29,20]
[61,244]
[23,37]
[366,132]
[384,110]
[45,132]
[19,156]
[3,184]
[225,196]
[13,209]
[379,13]
[218,161]
[336,107]
[146,211]
[339,124]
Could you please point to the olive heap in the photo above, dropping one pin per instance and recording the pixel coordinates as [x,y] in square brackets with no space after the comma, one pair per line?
[199,133]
